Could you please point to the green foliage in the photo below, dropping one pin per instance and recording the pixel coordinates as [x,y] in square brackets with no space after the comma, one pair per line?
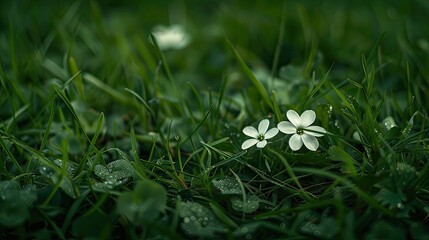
[16,203]
[144,204]
[109,132]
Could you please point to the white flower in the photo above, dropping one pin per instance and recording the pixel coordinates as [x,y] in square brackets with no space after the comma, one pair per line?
[173,37]
[258,136]
[302,132]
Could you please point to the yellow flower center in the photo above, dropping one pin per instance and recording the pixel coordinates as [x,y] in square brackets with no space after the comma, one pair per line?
[260,137]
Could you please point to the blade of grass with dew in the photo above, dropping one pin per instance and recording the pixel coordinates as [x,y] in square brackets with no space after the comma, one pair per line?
[345,101]
[176,176]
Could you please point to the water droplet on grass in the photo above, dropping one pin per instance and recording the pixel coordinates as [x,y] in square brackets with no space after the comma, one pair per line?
[227,186]
[250,205]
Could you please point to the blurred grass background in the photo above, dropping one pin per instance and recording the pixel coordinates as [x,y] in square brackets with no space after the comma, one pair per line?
[342,30]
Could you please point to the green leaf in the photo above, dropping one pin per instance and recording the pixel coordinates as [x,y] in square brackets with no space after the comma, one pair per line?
[15,203]
[251,204]
[199,220]
[391,199]
[227,186]
[61,179]
[116,170]
[144,204]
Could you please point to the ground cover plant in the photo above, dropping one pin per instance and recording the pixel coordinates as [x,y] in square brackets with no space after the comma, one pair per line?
[214,120]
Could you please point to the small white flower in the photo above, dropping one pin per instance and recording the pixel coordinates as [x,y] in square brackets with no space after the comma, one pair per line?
[259,136]
[302,132]
[173,37]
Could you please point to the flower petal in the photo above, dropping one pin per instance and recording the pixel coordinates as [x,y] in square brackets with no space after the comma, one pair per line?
[293,118]
[310,142]
[263,126]
[295,142]
[286,127]
[271,133]
[251,131]
[315,131]
[249,143]
[261,144]
[307,118]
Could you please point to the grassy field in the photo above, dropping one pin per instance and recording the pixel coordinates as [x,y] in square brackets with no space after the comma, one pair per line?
[214,120]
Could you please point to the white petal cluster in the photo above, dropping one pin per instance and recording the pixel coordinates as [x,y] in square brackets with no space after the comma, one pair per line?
[302,132]
[258,136]
[172,37]
[298,126]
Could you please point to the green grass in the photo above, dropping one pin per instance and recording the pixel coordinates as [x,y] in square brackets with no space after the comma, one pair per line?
[105,135]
